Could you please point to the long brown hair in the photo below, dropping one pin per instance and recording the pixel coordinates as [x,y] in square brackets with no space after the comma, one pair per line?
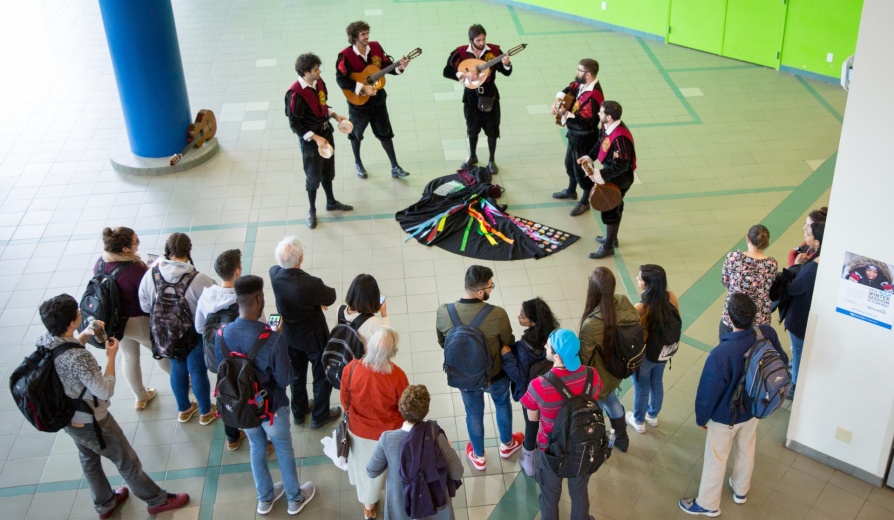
[601,294]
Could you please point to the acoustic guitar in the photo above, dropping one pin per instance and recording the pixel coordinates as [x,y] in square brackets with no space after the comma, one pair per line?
[565,104]
[483,67]
[198,133]
[603,197]
[374,77]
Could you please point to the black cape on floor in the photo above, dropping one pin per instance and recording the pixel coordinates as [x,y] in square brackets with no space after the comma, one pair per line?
[529,239]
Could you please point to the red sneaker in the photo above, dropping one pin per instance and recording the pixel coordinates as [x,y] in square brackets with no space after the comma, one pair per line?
[174,501]
[506,450]
[478,462]
[120,497]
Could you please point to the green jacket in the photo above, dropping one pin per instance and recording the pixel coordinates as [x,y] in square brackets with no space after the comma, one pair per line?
[591,331]
[496,327]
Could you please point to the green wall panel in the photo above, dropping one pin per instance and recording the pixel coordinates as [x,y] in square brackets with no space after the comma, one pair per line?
[697,24]
[753,31]
[648,16]
[815,28]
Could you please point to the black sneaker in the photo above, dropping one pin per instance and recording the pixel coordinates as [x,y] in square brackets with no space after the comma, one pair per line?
[565,194]
[334,413]
[338,206]
[361,171]
[311,219]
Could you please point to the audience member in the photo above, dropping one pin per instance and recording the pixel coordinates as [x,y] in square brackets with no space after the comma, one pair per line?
[817,215]
[364,298]
[801,291]
[750,272]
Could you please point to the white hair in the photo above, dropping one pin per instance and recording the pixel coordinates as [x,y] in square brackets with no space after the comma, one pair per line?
[381,348]
[289,252]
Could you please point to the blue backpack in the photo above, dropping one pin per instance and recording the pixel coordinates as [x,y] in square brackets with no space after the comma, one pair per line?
[764,382]
[467,359]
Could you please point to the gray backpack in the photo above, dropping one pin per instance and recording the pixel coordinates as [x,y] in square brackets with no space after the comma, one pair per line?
[171,322]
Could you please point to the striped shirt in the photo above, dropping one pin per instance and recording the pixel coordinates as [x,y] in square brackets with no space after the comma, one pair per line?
[544,397]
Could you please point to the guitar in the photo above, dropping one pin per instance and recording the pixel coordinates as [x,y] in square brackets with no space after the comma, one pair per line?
[371,75]
[198,133]
[565,105]
[483,68]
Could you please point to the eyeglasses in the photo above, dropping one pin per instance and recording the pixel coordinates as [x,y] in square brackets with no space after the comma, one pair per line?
[491,287]
[582,71]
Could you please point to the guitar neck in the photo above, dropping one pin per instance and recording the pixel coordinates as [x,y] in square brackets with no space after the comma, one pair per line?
[484,66]
[387,70]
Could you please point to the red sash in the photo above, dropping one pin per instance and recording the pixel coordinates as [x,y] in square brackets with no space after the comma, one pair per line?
[376,57]
[609,140]
[464,53]
[595,94]
[315,98]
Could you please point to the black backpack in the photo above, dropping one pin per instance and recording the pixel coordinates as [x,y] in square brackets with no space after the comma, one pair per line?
[578,444]
[630,349]
[40,395]
[171,325]
[213,322]
[102,301]
[540,367]
[661,345]
[241,401]
[467,359]
[343,346]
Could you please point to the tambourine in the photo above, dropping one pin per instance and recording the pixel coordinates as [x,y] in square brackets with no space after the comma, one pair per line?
[326,151]
[346,126]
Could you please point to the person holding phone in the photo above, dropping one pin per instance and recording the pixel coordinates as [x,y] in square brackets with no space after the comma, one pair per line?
[364,299]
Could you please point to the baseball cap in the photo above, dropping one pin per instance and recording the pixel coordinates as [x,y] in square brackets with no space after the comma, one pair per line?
[567,346]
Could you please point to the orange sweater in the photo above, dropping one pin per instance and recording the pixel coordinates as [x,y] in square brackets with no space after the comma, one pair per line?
[374,399]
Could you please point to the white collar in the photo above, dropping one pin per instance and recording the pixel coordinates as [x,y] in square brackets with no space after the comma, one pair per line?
[471,50]
[588,87]
[305,84]
[406,426]
[357,51]
[611,128]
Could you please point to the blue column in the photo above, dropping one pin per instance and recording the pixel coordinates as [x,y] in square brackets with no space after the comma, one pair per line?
[146,57]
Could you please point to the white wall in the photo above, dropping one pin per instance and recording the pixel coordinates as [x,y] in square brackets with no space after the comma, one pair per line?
[847,372]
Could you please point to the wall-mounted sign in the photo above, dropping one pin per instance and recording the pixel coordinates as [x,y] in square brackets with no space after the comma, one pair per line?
[867,287]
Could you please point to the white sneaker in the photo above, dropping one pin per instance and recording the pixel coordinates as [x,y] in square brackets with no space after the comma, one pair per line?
[640,428]
[652,421]
[278,491]
[307,493]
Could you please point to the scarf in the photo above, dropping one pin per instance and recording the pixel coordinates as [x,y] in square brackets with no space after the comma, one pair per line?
[108,257]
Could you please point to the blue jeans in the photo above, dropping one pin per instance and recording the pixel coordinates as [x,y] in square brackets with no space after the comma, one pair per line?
[612,405]
[279,435]
[648,390]
[797,348]
[193,367]
[473,400]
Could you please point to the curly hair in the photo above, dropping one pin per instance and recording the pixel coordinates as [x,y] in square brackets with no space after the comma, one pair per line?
[354,29]
[414,403]
[543,319]
[306,63]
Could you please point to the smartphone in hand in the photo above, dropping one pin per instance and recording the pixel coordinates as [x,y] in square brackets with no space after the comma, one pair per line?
[274,321]
[382,298]
[151,258]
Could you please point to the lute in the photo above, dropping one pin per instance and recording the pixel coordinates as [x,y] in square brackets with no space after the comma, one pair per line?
[483,67]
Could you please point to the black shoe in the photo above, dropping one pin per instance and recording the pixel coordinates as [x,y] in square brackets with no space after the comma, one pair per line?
[502,207]
[565,194]
[602,253]
[338,206]
[398,172]
[361,171]
[300,420]
[492,168]
[471,161]
[334,413]
[601,240]
[580,208]
[311,219]
[790,393]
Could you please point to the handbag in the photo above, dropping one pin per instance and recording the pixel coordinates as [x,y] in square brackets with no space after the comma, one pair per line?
[486,103]
[342,440]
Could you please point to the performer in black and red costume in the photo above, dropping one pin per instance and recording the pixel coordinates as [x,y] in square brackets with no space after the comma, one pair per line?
[354,58]
[614,150]
[582,123]
[309,118]
[477,120]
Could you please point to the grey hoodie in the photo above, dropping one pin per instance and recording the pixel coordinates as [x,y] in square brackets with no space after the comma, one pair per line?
[172,271]
[77,369]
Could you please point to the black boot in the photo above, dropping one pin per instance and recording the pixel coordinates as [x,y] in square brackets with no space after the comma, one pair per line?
[622,441]
[610,238]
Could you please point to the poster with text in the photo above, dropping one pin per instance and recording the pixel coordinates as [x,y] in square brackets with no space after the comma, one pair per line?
[867,286]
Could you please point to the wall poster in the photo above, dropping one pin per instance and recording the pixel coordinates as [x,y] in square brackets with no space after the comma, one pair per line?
[866,290]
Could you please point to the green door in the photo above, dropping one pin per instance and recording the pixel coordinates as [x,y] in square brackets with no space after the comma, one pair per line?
[697,24]
[754,31]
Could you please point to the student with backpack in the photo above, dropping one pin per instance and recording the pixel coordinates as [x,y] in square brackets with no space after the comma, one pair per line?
[94,431]
[126,321]
[605,316]
[273,374]
[549,399]
[472,334]
[659,313]
[371,389]
[730,428]
[169,292]
[526,359]
[424,470]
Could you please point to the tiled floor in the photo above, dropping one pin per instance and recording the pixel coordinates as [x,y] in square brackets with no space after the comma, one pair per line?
[721,145]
